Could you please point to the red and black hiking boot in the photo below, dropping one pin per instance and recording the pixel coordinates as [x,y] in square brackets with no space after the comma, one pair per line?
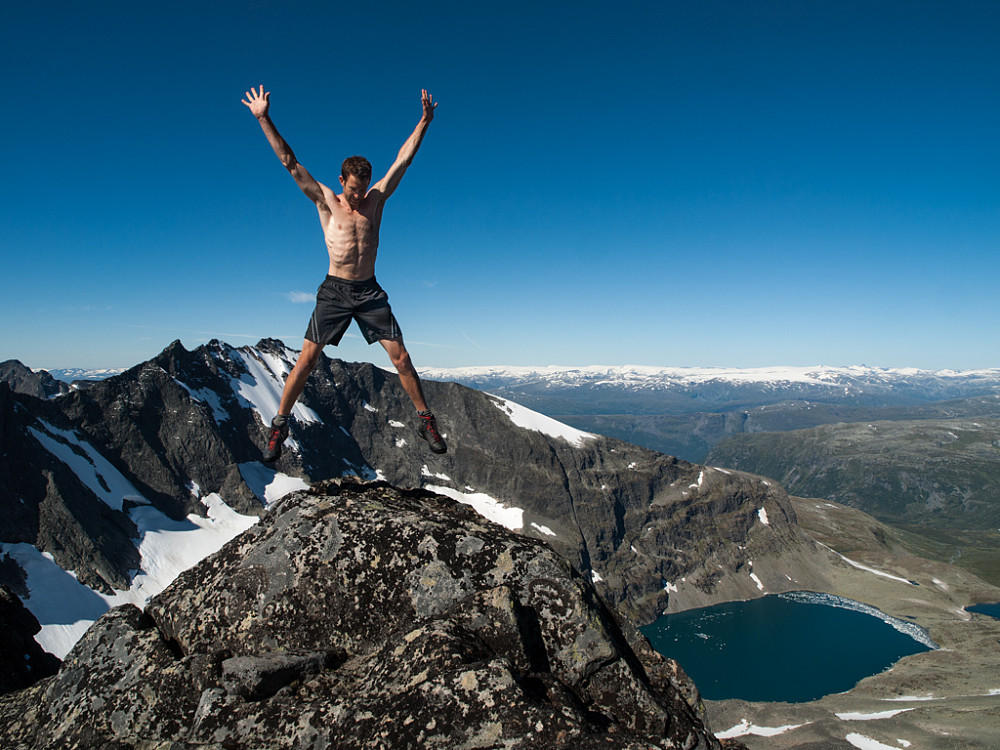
[277,435]
[429,431]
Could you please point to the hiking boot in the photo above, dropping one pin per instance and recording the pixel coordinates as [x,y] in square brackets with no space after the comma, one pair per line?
[275,438]
[429,431]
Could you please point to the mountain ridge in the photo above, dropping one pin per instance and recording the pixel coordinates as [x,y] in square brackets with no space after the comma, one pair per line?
[166,441]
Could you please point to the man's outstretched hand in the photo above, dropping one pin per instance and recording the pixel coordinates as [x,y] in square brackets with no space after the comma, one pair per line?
[426,99]
[258,103]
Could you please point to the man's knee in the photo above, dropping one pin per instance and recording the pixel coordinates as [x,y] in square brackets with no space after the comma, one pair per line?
[400,358]
[309,357]
[403,362]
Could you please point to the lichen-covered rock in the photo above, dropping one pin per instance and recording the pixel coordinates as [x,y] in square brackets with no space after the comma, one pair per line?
[358,615]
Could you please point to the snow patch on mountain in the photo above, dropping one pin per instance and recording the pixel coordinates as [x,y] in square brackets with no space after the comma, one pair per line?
[486,506]
[261,387]
[95,471]
[63,606]
[267,484]
[745,727]
[207,396]
[532,420]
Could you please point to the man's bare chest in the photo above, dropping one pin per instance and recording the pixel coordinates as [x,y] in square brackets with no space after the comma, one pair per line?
[349,228]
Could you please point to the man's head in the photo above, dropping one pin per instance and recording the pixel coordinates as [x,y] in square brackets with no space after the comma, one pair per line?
[355,176]
[358,166]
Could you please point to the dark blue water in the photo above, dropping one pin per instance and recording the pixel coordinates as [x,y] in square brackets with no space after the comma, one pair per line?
[993,610]
[787,647]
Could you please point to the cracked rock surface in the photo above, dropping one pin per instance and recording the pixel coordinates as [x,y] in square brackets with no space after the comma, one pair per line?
[358,615]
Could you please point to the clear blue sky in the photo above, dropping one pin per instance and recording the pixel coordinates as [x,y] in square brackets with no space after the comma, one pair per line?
[730,182]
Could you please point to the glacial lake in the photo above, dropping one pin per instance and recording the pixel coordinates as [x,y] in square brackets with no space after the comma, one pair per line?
[993,610]
[792,647]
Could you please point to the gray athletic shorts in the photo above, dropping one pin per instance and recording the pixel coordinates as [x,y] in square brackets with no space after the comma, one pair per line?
[339,301]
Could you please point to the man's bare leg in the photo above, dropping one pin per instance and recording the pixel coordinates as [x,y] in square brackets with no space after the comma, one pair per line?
[294,383]
[407,373]
[297,378]
[411,384]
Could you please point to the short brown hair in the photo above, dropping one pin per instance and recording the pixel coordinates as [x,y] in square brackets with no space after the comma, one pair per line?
[358,166]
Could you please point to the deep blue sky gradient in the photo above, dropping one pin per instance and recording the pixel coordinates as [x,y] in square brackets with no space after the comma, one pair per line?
[710,182]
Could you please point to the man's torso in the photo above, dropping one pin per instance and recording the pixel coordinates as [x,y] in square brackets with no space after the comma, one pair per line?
[351,235]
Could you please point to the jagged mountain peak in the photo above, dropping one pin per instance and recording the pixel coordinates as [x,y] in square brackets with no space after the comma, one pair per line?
[24,380]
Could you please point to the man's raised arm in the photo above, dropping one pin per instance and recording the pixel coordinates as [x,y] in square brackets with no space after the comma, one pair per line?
[259,104]
[388,184]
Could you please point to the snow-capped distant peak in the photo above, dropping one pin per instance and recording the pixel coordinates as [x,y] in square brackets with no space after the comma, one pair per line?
[635,375]
[68,375]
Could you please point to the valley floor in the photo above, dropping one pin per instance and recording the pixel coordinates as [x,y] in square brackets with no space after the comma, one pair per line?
[944,699]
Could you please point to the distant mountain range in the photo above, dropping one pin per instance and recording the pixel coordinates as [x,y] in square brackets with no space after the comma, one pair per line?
[684,412]
[77,373]
[686,390]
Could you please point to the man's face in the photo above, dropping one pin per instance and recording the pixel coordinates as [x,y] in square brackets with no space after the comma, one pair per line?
[354,190]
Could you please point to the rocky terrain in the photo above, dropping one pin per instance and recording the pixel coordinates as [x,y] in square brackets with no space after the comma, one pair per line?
[21,379]
[692,436]
[944,472]
[84,471]
[946,699]
[357,615]
[937,477]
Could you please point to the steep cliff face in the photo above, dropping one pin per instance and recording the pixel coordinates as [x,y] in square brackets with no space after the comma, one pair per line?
[22,661]
[43,502]
[357,615]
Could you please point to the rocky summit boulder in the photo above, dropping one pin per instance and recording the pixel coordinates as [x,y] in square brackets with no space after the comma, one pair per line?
[358,615]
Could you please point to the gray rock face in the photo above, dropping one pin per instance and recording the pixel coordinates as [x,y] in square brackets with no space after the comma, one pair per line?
[22,661]
[23,380]
[42,502]
[358,615]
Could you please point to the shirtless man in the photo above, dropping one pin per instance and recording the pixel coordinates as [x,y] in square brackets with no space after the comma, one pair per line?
[350,224]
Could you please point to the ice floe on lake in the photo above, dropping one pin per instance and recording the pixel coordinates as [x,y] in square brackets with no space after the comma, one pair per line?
[917,633]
